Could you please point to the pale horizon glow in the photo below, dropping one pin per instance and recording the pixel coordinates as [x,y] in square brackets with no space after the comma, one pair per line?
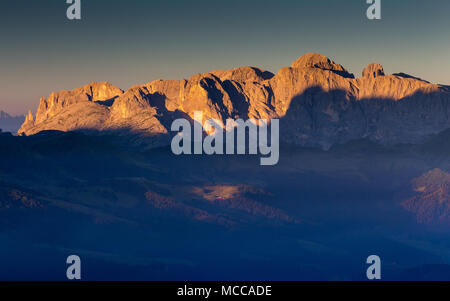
[134,42]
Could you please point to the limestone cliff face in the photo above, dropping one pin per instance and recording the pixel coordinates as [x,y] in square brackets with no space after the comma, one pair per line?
[319,103]
[82,108]
[56,102]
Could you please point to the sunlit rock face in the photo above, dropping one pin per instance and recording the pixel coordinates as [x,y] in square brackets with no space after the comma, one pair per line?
[373,70]
[319,61]
[319,103]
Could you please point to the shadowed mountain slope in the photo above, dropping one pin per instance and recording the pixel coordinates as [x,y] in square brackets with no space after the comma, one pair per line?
[322,101]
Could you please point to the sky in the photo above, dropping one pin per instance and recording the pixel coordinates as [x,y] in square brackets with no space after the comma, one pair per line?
[129,42]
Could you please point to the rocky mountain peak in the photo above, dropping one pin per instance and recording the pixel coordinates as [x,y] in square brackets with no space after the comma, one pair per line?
[319,103]
[373,70]
[29,117]
[319,61]
[100,91]
[314,60]
[243,74]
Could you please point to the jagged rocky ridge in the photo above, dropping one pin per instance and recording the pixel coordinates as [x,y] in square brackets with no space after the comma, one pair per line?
[319,104]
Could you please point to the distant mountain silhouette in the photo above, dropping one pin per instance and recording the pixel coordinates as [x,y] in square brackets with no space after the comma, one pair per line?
[9,123]
[321,103]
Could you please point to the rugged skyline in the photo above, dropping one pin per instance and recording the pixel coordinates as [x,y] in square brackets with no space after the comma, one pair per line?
[356,150]
[134,42]
[319,104]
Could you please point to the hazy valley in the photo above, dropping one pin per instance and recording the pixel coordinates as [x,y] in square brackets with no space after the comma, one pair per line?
[364,169]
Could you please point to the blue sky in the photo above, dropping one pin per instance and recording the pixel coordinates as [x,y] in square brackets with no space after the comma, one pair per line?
[131,42]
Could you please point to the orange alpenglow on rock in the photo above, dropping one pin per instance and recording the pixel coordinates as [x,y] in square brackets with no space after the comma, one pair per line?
[319,61]
[373,70]
[29,118]
[319,104]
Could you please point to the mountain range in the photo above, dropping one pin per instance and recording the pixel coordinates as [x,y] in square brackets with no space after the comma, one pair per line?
[9,123]
[319,104]
[364,169]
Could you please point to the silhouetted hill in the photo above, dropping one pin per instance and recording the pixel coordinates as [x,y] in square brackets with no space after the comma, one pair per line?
[155,216]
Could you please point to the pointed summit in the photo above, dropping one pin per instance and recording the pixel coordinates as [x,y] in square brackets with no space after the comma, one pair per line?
[29,117]
[27,124]
[100,91]
[313,60]
[319,61]
[373,70]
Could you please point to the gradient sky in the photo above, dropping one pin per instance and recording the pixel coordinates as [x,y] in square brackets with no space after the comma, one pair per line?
[130,42]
